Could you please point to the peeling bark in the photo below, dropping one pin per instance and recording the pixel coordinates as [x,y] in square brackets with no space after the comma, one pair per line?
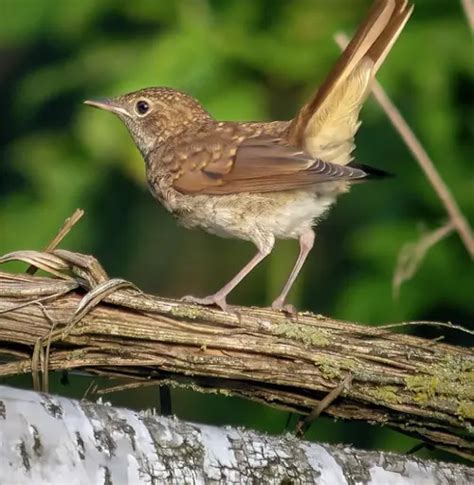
[53,440]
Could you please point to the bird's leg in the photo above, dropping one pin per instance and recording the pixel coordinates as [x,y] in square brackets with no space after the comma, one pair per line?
[219,298]
[306,243]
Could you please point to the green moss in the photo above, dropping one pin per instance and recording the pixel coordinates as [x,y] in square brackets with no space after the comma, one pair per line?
[465,410]
[424,387]
[303,333]
[333,368]
[452,377]
[467,377]
[329,369]
[184,312]
[387,394]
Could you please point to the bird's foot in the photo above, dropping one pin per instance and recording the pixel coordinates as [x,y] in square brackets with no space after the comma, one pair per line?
[216,299]
[279,304]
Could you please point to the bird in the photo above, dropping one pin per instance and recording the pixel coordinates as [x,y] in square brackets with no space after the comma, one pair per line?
[261,181]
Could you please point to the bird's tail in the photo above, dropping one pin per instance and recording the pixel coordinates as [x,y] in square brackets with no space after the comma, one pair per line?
[330,118]
[371,172]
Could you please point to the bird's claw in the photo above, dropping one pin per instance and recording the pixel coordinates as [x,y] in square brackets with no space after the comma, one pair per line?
[215,299]
[280,306]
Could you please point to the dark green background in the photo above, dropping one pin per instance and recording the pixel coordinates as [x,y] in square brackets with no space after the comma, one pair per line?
[244,60]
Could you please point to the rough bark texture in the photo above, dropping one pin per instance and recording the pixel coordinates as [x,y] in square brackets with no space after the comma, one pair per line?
[81,319]
[53,440]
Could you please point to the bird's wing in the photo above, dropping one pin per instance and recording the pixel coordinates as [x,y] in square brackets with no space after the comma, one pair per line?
[325,127]
[258,164]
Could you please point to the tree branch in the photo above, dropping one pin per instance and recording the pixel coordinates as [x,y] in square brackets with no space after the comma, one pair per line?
[108,327]
[43,437]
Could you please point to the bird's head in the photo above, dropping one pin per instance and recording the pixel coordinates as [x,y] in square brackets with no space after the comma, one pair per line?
[152,115]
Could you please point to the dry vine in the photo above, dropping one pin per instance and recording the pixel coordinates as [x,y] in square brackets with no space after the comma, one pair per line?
[81,319]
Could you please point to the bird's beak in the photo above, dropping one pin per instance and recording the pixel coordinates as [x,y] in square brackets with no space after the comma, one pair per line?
[108,105]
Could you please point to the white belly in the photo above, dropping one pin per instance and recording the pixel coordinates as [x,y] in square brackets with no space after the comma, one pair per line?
[284,215]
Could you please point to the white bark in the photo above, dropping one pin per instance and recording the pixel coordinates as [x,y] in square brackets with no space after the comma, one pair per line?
[52,440]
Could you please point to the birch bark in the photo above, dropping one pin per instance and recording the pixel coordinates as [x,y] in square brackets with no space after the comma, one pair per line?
[46,439]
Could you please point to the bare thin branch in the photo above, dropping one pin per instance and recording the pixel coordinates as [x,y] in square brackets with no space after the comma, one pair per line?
[68,224]
[304,423]
[450,325]
[37,301]
[35,364]
[127,387]
[412,254]
[460,222]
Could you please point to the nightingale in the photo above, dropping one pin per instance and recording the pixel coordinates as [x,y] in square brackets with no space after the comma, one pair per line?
[261,181]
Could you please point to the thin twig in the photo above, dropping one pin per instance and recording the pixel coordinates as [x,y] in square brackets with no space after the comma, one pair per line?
[38,351]
[128,386]
[36,364]
[48,346]
[38,300]
[303,424]
[468,7]
[431,324]
[460,222]
[68,224]
[411,255]
[91,389]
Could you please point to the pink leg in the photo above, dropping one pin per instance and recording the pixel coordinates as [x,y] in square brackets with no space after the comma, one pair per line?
[219,298]
[306,243]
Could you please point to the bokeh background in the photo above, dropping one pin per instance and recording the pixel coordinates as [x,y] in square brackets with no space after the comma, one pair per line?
[244,60]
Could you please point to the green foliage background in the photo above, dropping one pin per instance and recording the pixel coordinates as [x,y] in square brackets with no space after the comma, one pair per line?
[244,60]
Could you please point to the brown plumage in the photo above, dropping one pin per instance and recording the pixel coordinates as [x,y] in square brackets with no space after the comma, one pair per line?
[261,181]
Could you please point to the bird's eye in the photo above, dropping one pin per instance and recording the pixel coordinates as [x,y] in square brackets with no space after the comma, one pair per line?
[142,107]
